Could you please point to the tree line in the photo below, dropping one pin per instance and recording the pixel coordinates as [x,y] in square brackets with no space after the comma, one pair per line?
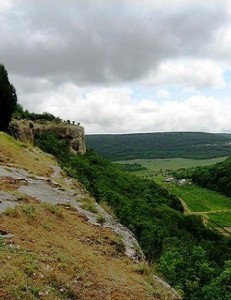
[196,145]
[216,177]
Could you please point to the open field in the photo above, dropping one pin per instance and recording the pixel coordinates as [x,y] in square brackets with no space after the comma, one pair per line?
[210,205]
[223,219]
[213,207]
[158,165]
[199,199]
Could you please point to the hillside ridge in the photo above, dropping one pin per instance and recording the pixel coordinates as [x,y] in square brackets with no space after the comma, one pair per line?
[26,197]
[197,145]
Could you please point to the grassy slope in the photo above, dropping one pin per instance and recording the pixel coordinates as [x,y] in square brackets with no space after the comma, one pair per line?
[24,156]
[55,254]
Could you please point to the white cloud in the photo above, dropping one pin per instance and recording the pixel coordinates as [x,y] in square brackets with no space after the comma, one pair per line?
[112,110]
[5,5]
[191,73]
[163,93]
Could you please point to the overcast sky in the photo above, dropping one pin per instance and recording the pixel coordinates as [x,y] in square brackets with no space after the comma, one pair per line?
[119,66]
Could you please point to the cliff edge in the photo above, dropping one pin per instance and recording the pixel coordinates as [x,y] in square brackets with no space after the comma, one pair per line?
[27,131]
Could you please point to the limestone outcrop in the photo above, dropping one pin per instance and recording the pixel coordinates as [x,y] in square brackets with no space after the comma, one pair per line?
[27,131]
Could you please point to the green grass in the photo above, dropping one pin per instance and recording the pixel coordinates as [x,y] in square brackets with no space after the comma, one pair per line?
[9,141]
[221,219]
[199,199]
[155,166]
[211,205]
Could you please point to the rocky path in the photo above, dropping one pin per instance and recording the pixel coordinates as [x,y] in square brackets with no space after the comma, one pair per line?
[58,189]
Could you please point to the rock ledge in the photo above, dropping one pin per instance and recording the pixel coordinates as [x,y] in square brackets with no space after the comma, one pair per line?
[27,131]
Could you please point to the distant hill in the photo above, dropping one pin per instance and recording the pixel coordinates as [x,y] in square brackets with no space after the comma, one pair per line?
[197,145]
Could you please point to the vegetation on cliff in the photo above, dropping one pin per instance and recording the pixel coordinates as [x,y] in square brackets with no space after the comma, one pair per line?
[192,258]
[20,113]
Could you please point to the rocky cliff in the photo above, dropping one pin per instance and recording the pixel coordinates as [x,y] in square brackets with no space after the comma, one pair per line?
[27,131]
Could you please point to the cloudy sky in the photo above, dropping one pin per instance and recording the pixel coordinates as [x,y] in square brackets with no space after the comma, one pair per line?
[119,66]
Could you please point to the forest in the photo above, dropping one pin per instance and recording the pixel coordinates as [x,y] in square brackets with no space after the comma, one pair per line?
[193,259]
[216,177]
[197,145]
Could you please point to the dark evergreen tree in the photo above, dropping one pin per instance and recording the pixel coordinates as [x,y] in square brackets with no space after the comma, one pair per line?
[8,99]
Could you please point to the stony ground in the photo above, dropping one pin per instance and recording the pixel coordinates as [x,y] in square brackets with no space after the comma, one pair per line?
[58,189]
[56,242]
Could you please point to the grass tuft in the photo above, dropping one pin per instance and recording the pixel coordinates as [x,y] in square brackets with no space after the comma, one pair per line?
[54,209]
[89,204]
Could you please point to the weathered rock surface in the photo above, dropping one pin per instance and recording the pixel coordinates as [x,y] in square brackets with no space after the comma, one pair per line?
[59,190]
[26,132]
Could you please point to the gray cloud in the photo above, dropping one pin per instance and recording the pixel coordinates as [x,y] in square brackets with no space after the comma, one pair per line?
[121,65]
[104,42]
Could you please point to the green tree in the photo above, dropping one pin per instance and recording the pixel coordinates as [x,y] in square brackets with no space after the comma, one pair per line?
[220,288]
[8,99]
[187,267]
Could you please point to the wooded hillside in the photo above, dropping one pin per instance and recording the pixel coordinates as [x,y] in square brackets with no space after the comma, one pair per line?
[160,145]
[191,258]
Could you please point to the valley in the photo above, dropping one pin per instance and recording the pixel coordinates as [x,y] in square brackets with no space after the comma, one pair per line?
[214,208]
[177,233]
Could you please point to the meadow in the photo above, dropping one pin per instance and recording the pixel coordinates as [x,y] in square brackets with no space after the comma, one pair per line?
[223,219]
[214,208]
[158,166]
[199,199]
